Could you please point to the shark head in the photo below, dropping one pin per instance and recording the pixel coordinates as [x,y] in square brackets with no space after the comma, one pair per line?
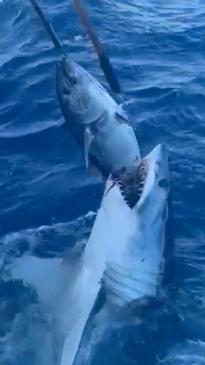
[143,180]
[155,182]
[136,261]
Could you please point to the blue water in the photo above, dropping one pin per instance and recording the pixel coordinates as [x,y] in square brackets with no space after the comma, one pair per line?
[158,51]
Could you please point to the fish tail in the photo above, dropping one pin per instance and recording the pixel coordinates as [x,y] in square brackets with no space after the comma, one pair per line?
[105,63]
[48,27]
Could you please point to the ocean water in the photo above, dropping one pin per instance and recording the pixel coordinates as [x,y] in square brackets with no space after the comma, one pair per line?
[158,51]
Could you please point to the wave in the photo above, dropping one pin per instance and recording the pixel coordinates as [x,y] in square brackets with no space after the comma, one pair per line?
[187,353]
[34,266]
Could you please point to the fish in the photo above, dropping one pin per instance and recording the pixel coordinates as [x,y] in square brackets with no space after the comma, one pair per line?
[96,121]
[125,256]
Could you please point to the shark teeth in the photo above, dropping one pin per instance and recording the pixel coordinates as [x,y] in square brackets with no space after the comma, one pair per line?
[131,184]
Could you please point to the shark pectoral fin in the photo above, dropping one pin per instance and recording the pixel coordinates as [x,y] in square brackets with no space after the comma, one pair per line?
[88,139]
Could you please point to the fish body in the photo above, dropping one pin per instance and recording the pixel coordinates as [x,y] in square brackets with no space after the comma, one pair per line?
[94,119]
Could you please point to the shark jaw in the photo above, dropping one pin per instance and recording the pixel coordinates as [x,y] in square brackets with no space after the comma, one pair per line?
[135,265]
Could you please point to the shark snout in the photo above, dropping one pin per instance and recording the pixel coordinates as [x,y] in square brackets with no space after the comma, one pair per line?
[160,160]
[156,185]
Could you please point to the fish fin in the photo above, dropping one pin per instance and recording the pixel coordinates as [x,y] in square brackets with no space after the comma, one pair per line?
[88,139]
[121,119]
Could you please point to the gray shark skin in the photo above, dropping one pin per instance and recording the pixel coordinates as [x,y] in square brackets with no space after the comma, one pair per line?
[123,266]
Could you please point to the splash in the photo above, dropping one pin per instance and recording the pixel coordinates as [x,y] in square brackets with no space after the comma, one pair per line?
[35,267]
[187,353]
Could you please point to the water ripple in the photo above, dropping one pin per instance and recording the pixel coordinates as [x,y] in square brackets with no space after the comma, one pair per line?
[158,52]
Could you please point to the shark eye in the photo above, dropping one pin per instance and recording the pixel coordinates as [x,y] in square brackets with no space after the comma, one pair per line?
[164,183]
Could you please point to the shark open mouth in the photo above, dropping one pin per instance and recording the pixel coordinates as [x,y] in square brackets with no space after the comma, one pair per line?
[131,184]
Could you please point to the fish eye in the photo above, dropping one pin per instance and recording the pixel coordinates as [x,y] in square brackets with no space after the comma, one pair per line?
[163,183]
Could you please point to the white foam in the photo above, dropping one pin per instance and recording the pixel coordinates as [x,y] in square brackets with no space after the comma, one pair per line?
[187,353]
[45,275]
